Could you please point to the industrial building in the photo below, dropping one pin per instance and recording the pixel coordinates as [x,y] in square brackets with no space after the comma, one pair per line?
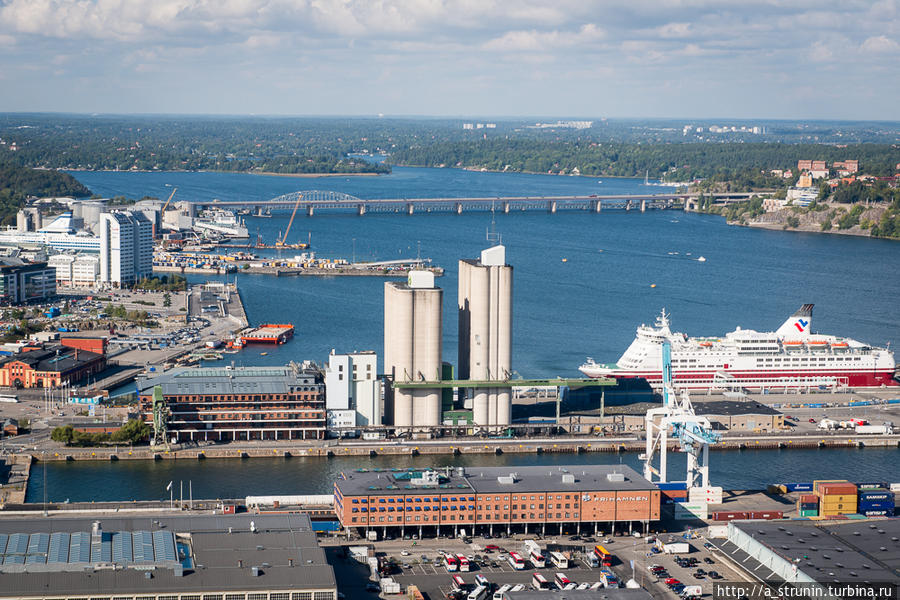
[242,403]
[485,333]
[412,348]
[352,388]
[126,247]
[734,415]
[49,367]
[22,281]
[582,498]
[808,552]
[213,557]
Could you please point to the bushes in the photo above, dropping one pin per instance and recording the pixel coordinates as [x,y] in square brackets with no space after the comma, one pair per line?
[132,432]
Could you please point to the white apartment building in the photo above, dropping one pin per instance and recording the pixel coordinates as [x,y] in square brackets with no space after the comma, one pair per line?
[351,383]
[126,248]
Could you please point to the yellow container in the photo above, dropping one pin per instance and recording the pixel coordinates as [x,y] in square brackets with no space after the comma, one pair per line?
[843,498]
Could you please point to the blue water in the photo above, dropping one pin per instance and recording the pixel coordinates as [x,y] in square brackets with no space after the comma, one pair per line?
[563,311]
[236,478]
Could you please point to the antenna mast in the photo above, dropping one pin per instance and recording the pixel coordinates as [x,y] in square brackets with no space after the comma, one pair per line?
[491,234]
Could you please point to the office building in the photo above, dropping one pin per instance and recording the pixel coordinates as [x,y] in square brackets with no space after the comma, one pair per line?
[22,281]
[243,403]
[49,367]
[412,348]
[126,248]
[578,498]
[485,333]
[352,384]
[161,557]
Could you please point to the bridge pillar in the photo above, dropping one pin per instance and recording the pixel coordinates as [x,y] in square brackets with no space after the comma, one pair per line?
[506,208]
[551,206]
[596,206]
[259,211]
[459,208]
[309,211]
[410,208]
[643,206]
[360,209]
[628,205]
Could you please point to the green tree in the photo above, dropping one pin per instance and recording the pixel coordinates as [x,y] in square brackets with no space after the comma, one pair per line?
[167,300]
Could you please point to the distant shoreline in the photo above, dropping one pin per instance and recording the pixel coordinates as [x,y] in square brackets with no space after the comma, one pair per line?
[311,174]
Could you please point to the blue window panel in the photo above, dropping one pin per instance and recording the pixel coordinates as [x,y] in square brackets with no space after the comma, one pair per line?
[59,548]
[80,547]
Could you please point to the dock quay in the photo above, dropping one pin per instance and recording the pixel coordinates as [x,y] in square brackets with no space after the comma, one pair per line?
[450,447]
[14,472]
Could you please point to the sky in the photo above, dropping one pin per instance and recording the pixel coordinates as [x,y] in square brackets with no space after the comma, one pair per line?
[792,59]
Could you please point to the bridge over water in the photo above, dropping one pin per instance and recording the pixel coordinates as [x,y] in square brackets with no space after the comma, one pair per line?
[313,201]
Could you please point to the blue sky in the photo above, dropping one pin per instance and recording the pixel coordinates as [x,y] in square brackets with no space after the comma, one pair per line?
[618,58]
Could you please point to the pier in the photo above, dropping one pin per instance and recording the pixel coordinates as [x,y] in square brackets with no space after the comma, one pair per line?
[315,201]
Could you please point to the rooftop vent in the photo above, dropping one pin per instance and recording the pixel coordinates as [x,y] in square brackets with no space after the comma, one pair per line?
[615,477]
[178,571]
[255,571]
[568,478]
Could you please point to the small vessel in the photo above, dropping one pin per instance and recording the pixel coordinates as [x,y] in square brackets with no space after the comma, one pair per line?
[263,353]
[701,259]
[789,357]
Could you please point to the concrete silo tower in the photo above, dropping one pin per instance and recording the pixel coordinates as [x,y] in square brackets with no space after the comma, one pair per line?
[412,348]
[485,332]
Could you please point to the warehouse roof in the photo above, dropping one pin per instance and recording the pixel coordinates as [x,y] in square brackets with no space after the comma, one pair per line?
[863,550]
[60,359]
[222,552]
[732,408]
[575,478]
[226,380]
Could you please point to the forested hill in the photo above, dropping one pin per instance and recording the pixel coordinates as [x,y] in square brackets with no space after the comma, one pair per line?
[18,183]
[675,162]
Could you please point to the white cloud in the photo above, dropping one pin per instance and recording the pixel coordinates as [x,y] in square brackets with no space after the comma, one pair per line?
[879,45]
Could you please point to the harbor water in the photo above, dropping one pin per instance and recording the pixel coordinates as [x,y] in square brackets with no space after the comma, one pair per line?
[126,480]
[583,282]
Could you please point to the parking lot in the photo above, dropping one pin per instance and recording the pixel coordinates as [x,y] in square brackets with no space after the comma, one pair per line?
[420,565]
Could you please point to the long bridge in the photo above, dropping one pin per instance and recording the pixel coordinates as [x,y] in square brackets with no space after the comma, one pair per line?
[313,201]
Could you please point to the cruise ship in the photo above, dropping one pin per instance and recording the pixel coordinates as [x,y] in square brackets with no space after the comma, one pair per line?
[790,357]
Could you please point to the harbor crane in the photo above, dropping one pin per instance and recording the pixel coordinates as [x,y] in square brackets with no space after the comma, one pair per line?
[283,241]
[693,432]
[166,205]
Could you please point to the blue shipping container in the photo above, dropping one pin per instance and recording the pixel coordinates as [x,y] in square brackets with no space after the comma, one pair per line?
[894,401]
[799,487]
[878,513]
[672,486]
[876,505]
[860,403]
[816,405]
[326,526]
[875,496]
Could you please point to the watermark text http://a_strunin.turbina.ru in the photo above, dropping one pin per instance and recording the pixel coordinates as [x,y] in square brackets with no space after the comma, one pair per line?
[739,590]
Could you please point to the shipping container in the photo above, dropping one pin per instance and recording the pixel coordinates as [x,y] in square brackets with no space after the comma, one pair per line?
[722,515]
[672,486]
[819,482]
[809,499]
[809,512]
[767,515]
[876,496]
[837,488]
[879,513]
[799,487]
[864,506]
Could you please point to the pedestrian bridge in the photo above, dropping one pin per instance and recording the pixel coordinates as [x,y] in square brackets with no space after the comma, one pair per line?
[313,201]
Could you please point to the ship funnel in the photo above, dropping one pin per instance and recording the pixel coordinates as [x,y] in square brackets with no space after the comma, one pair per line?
[798,324]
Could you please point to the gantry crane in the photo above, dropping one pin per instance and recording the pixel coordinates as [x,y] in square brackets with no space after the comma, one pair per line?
[694,433]
[283,241]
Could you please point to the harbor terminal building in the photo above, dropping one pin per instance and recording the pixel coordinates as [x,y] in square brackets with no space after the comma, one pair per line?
[239,403]
[581,498]
[197,557]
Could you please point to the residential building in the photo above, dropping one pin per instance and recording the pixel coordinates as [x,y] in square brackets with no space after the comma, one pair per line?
[412,348]
[158,557]
[243,403]
[578,498]
[351,383]
[49,367]
[126,248]
[21,281]
[485,333]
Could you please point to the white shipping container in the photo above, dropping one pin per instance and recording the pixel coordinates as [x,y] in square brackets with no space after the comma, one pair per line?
[677,548]
[389,586]
[876,429]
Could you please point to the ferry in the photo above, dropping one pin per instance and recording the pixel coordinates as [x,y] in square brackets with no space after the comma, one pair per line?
[790,357]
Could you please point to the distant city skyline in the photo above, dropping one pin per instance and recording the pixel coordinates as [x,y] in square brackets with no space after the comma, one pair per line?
[688,59]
